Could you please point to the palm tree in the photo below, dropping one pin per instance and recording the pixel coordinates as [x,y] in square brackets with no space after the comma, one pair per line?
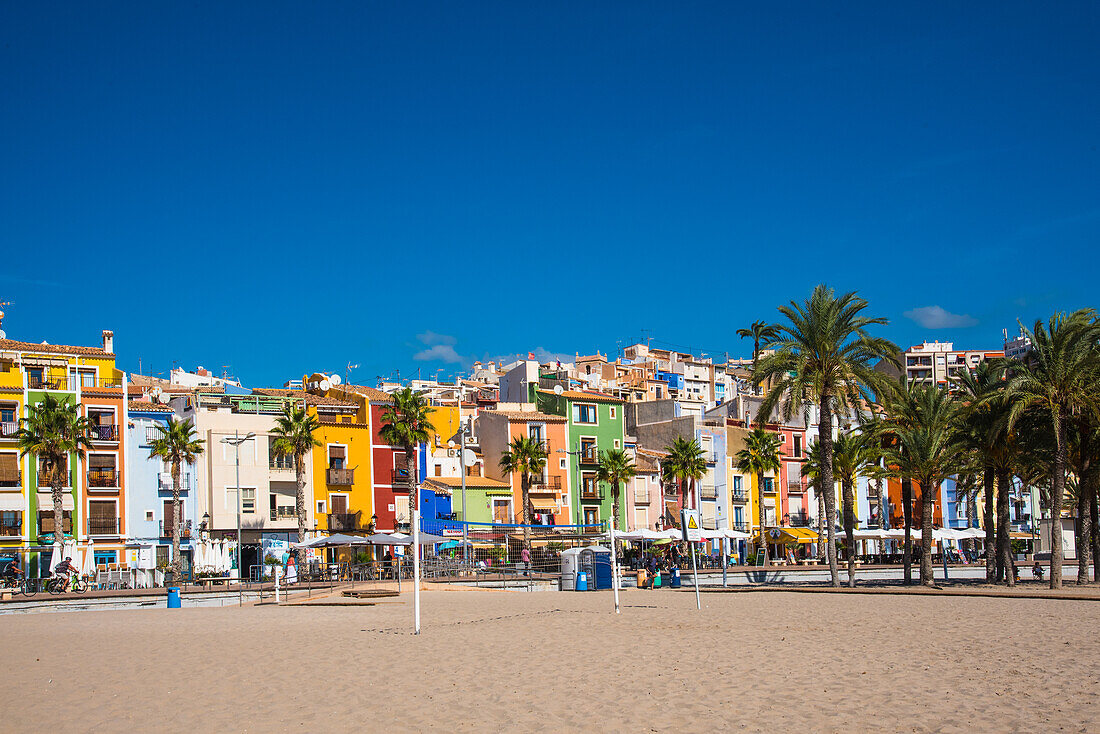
[406,423]
[687,464]
[293,433]
[758,331]
[854,456]
[760,455]
[53,431]
[928,451]
[1055,378]
[824,356]
[616,468]
[979,392]
[898,400]
[176,444]
[527,457]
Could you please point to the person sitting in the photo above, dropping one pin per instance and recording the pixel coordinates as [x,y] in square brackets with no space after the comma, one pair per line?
[14,572]
[1037,571]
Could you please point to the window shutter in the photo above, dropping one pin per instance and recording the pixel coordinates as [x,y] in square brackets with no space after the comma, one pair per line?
[9,468]
[337,452]
[576,414]
[99,461]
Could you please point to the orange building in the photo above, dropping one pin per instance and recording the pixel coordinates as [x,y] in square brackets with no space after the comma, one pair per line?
[549,493]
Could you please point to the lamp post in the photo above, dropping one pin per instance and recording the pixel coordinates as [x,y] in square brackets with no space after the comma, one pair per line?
[236,442]
[462,428]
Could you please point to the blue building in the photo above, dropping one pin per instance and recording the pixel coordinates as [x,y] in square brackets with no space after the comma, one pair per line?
[149,492]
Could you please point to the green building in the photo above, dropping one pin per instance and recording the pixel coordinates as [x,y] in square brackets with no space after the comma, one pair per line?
[594,423]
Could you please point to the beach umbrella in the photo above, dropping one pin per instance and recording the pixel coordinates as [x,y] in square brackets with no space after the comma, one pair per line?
[226,563]
[71,551]
[88,567]
[56,557]
[735,534]
[198,556]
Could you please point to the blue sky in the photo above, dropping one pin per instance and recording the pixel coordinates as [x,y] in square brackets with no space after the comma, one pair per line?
[289,187]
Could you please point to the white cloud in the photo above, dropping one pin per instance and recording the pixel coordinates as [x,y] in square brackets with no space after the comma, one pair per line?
[431,338]
[438,353]
[934,317]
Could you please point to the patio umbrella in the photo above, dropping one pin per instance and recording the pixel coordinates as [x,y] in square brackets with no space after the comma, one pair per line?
[384,539]
[56,557]
[88,567]
[735,534]
[71,551]
[198,556]
[226,561]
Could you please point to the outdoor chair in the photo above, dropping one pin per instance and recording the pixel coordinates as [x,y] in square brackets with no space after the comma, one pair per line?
[101,579]
[114,579]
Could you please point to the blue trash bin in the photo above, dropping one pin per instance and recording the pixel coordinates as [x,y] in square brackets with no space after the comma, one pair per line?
[674,582]
[173,597]
[582,582]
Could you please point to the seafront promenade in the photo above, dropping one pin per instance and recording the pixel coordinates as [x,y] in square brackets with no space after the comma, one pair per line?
[491,660]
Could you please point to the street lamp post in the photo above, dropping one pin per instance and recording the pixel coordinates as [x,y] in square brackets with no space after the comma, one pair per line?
[236,442]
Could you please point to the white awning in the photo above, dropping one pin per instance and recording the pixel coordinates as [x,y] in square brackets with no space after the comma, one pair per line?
[45,501]
[13,501]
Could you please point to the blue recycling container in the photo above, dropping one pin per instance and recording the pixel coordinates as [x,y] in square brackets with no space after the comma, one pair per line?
[173,597]
[674,583]
[582,582]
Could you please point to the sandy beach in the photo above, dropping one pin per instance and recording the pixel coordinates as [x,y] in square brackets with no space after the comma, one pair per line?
[552,661]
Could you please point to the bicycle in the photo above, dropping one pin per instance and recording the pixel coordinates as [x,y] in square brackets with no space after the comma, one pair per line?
[61,584]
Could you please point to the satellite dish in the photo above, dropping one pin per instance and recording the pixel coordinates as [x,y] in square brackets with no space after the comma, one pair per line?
[469,458]
[450,444]
[334,380]
[325,385]
[2,334]
[558,390]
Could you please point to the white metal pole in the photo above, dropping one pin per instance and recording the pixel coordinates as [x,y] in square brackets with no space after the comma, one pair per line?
[416,566]
[462,474]
[614,565]
[240,582]
[695,575]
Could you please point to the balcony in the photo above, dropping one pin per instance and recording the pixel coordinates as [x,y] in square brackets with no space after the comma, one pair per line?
[799,520]
[769,487]
[591,495]
[283,512]
[708,492]
[340,477]
[103,432]
[344,521]
[165,480]
[795,488]
[90,381]
[552,485]
[590,454]
[12,527]
[641,498]
[280,463]
[103,478]
[9,429]
[185,530]
[742,527]
[46,382]
[738,495]
[103,526]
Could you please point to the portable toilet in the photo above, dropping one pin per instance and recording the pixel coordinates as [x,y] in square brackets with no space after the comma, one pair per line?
[596,562]
[570,567]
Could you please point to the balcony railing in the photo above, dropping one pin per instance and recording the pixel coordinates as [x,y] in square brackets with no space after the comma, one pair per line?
[591,495]
[708,492]
[590,454]
[47,382]
[769,487]
[102,477]
[185,530]
[283,512]
[552,484]
[103,432]
[95,381]
[165,481]
[340,477]
[280,463]
[344,521]
[795,488]
[641,498]
[9,428]
[103,526]
[738,495]
[800,520]
[12,528]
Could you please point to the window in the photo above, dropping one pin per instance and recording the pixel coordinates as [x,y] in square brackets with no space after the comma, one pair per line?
[274,460]
[769,485]
[584,414]
[616,443]
[535,432]
[162,556]
[248,499]
[45,521]
[439,470]
[337,456]
[561,463]
[87,378]
[320,507]
[106,558]
[11,523]
[737,485]
[797,447]
[148,516]
[612,412]
[659,393]
[7,414]
[9,470]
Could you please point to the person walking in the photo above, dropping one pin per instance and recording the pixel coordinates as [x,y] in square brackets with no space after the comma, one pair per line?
[525,556]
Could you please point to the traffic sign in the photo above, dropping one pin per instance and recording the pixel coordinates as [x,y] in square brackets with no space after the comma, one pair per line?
[691,525]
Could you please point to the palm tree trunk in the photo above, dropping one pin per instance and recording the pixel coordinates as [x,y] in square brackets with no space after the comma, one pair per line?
[1084,516]
[1004,524]
[58,504]
[969,513]
[177,562]
[1092,485]
[410,469]
[525,496]
[849,529]
[987,521]
[820,525]
[760,516]
[825,437]
[300,501]
[615,516]
[1057,489]
[907,544]
[926,534]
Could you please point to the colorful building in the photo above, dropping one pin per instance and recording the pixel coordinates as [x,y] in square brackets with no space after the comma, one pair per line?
[551,499]
[95,492]
[594,424]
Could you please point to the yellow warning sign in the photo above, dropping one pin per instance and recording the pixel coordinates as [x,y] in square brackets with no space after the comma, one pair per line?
[692,525]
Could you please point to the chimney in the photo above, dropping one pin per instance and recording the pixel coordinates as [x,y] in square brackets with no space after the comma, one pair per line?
[108,341]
